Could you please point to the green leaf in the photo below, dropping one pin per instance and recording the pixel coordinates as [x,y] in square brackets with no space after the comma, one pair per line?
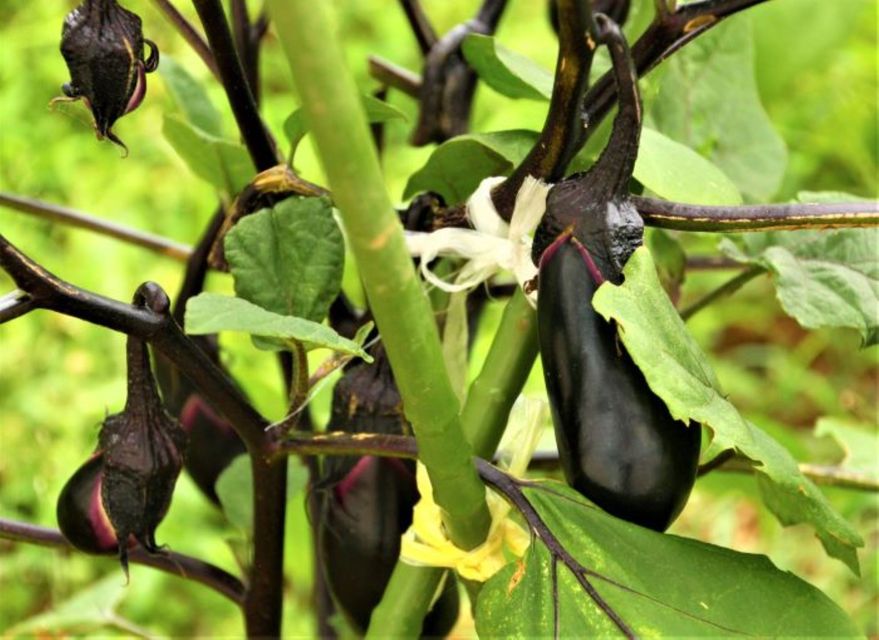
[377,110]
[191,97]
[679,373]
[456,167]
[507,72]
[88,610]
[584,566]
[708,100]
[235,489]
[211,313]
[675,172]
[288,259]
[858,441]
[822,278]
[226,165]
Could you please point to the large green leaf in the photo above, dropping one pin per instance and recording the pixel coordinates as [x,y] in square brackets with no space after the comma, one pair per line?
[708,100]
[224,164]
[588,574]
[507,72]
[827,278]
[191,97]
[679,373]
[288,259]
[675,172]
[377,110]
[211,313]
[456,167]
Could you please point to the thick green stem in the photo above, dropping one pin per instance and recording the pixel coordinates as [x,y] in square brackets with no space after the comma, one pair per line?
[332,106]
[506,367]
[409,593]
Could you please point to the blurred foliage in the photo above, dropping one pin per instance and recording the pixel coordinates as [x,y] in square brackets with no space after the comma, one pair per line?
[816,67]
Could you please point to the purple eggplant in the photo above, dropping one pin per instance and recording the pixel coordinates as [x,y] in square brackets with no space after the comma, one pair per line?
[367,501]
[618,443]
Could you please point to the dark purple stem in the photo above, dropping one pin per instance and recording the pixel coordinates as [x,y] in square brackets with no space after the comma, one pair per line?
[176,564]
[254,132]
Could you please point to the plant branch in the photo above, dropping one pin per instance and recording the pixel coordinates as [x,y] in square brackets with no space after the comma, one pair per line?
[420,25]
[668,32]
[561,131]
[14,304]
[70,217]
[170,562]
[761,217]
[711,263]
[448,82]
[726,289]
[331,102]
[395,76]
[341,443]
[193,37]
[247,37]
[254,132]
[152,322]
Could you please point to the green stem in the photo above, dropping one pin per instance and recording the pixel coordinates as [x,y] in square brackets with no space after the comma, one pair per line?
[506,367]
[409,593]
[332,106]
[727,288]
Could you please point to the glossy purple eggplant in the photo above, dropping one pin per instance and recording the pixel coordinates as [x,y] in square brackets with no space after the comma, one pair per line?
[618,444]
[617,441]
[103,46]
[368,501]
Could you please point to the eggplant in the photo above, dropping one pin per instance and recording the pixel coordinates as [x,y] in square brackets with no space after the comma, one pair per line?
[119,497]
[103,46]
[367,502]
[618,443]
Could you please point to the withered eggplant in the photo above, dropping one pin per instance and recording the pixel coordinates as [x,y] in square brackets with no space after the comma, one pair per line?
[103,46]
[121,494]
[368,501]
[617,441]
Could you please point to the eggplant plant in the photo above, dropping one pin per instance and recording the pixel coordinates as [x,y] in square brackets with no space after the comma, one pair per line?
[368,451]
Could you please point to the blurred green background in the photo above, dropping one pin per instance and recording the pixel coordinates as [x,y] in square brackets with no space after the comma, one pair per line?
[816,68]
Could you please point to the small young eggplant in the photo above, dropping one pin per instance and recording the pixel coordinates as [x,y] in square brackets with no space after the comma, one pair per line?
[368,501]
[103,46]
[618,443]
[123,492]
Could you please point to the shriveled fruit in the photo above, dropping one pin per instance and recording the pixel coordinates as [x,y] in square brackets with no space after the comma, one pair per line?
[119,497]
[103,46]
